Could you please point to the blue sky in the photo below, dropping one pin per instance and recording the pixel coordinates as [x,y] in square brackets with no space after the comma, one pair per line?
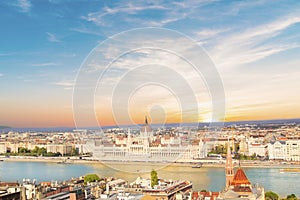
[255,46]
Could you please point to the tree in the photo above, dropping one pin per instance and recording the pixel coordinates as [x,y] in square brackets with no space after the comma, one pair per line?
[291,197]
[23,150]
[253,157]
[42,151]
[271,196]
[220,149]
[35,150]
[39,151]
[91,178]
[74,152]
[154,178]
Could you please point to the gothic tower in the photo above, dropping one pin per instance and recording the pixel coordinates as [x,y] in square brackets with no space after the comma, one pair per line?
[146,130]
[229,167]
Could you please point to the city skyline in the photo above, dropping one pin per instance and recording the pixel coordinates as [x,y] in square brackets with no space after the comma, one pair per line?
[253,44]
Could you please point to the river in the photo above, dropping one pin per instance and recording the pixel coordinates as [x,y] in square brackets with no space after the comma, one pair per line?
[212,179]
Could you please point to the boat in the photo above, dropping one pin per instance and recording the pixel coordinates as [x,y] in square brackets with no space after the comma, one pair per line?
[64,162]
[199,165]
[289,170]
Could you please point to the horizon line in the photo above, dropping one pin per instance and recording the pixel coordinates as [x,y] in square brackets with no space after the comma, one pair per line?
[155,124]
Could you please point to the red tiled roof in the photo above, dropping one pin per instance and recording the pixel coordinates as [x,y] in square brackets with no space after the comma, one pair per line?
[256,144]
[211,195]
[8,184]
[282,138]
[195,196]
[240,178]
[45,183]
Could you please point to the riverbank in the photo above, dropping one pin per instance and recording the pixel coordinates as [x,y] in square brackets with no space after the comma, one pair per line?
[48,159]
[205,163]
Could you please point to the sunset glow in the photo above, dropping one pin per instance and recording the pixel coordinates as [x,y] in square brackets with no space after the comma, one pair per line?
[254,45]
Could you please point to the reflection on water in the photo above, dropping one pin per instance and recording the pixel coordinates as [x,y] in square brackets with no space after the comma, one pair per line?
[202,178]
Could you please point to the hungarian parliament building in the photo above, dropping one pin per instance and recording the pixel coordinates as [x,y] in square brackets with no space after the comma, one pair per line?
[146,147]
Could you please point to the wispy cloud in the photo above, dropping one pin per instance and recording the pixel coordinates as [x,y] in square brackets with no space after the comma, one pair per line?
[1,75]
[67,85]
[46,64]
[209,33]
[167,13]
[132,68]
[253,44]
[52,38]
[86,31]
[98,17]
[208,36]
[24,5]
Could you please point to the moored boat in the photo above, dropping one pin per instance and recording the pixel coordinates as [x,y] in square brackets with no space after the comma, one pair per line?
[289,170]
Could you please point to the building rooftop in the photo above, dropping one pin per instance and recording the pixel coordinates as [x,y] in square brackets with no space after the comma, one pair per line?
[240,178]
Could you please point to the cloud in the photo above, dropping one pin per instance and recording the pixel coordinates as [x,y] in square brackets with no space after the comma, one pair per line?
[98,17]
[86,31]
[67,85]
[24,5]
[142,67]
[132,14]
[47,64]
[52,38]
[209,33]
[1,75]
[235,45]
[253,44]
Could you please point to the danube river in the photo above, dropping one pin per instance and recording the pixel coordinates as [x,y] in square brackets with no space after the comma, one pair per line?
[203,178]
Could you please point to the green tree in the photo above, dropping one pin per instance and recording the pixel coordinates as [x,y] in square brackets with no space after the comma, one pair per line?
[291,197]
[74,152]
[271,195]
[91,178]
[39,151]
[220,149]
[35,150]
[51,154]
[23,150]
[42,151]
[253,157]
[154,178]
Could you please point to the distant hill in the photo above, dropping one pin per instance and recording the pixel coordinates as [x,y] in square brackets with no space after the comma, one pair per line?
[3,127]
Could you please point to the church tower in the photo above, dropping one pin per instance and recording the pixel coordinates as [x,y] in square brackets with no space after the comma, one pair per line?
[146,130]
[229,167]
[129,139]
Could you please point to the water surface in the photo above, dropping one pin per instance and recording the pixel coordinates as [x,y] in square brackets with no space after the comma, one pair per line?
[203,178]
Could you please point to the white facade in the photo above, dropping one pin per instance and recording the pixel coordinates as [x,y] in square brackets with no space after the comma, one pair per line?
[277,150]
[145,148]
[243,146]
[257,149]
[284,150]
[59,148]
[293,150]
[2,148]
[145,152]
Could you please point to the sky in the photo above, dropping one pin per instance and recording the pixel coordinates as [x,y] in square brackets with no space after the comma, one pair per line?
[254,46]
